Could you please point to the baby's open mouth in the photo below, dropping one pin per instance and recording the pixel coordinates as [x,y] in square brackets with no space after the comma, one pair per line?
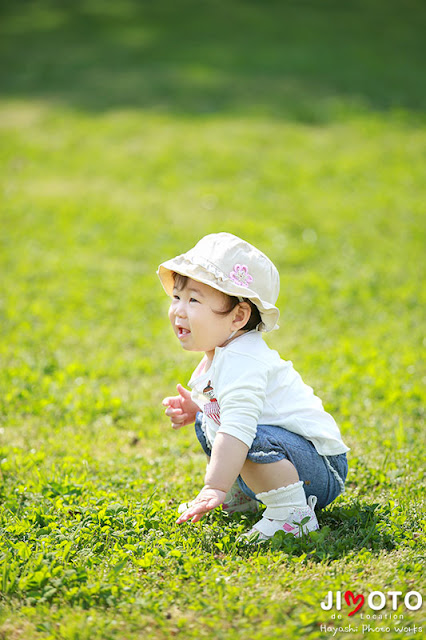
[183,332]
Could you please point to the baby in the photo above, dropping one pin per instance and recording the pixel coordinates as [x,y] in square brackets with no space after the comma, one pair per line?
[267,436]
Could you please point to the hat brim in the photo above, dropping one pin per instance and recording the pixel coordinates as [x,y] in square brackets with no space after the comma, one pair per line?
[268,312]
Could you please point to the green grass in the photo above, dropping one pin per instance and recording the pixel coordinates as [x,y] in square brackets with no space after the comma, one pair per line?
[129,130]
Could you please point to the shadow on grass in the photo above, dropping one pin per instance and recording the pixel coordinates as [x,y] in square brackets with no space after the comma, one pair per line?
[307,61]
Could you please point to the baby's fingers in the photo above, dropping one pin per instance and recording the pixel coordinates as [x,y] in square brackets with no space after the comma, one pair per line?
[195,513]
[171,401]
[185,393]
[177,417]
[177,423]
[171,412]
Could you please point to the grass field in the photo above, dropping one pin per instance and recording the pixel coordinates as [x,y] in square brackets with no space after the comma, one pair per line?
[128,130]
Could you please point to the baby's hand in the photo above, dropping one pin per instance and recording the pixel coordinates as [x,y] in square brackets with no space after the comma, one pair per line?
[206,500]
[181,409]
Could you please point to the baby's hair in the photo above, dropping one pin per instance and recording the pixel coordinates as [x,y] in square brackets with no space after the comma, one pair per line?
[232,301]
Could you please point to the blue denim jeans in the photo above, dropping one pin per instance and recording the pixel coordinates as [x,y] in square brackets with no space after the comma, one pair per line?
[276,443]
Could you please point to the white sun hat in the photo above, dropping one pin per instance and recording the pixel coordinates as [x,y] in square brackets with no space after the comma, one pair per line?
[231,265]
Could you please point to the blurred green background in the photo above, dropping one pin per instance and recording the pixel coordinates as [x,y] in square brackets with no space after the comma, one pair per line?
[129,130]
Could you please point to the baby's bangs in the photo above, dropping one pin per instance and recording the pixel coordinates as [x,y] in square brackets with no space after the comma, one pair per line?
[179,280]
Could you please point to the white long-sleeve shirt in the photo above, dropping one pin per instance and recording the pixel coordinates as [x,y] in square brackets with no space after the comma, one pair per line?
[248,384]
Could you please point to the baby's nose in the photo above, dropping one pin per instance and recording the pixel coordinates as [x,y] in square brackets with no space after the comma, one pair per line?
[180,310]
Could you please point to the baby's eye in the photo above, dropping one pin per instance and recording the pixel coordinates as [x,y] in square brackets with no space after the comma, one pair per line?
[175,297]
[193,300]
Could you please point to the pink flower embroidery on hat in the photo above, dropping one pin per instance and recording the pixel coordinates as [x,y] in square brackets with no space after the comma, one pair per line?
[240,275]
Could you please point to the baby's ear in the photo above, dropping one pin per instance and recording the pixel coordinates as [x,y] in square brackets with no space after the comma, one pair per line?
[242,313]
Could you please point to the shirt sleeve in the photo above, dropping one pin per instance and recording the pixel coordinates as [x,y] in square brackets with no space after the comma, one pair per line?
[240,391]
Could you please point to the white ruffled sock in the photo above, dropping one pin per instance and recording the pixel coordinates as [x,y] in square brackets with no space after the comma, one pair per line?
[280,502]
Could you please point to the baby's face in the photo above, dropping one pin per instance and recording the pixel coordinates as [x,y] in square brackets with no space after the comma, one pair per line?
[193,318]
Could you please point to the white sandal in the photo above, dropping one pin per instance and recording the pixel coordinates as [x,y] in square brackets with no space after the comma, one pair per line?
[300,521]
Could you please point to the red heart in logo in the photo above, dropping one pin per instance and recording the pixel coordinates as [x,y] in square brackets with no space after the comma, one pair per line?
[350,596]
